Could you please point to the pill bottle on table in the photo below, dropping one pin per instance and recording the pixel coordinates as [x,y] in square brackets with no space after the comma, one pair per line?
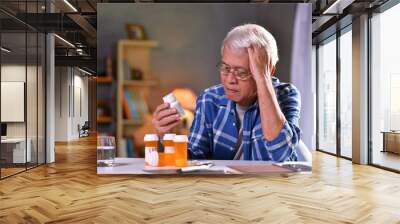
[150,150]
[174,103]
[169,149]
[181,143]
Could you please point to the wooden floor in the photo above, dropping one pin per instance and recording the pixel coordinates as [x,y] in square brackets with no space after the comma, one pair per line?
[386,159]
[10,171]
[70,191]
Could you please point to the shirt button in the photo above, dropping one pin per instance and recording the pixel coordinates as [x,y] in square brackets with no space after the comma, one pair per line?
[233,124]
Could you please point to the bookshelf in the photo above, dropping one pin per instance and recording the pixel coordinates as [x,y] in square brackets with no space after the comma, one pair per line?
[142,83]
[105,80]
[106,94]
[133,116]
[104,119]
[105,108]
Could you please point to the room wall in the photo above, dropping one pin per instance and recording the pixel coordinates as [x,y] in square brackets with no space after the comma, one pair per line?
[81,114]
[301,74]
[16,73]
[61,103]
[70,83]
[190,37]
[33,127]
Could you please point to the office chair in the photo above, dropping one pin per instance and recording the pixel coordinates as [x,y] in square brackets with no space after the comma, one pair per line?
[303,153]
[84,130]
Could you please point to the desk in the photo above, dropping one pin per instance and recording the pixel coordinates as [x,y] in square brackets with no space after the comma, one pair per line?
[136,166]
[391,141]
[16,147]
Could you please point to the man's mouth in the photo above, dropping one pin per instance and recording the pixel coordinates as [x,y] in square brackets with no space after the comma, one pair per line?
[232,90]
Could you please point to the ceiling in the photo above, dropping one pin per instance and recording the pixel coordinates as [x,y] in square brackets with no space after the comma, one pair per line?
[76,22]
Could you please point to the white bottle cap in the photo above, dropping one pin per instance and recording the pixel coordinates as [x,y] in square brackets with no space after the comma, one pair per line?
[169,98]
[150,137]
[181,138]
[169,137]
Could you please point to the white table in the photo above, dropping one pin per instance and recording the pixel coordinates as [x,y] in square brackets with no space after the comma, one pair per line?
[18,150]
[136,166]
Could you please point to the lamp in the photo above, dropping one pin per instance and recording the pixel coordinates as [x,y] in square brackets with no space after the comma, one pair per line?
[64,40]
[5,50]
[70,5]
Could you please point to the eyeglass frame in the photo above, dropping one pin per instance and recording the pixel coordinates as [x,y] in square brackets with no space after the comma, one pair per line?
[233,70]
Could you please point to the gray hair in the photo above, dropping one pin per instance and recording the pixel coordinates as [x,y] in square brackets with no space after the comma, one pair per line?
[246,35]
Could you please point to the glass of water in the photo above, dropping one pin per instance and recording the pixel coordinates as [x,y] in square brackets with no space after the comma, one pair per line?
[105,150]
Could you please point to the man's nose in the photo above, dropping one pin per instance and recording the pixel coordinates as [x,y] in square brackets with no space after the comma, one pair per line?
[231,78]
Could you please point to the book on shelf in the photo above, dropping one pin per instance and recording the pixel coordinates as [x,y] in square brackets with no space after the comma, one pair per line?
[132,103]
[134,106]
[129,148]
[140,103]
[125,107]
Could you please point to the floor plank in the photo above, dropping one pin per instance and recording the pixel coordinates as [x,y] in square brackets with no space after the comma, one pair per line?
[70,191]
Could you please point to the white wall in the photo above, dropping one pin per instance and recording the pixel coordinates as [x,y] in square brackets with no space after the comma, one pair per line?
[33,126]
[16,73]
[61,103]
[80,111]
[71,94]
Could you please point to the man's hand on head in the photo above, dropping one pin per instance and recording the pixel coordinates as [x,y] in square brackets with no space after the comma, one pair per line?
[272,118]
[260,63]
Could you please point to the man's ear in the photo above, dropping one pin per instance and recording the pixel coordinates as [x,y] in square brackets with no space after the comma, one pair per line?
[273,70]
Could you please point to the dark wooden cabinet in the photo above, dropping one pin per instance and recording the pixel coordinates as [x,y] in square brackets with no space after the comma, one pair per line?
[391,141]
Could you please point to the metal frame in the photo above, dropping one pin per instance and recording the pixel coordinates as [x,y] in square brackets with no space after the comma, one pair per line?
[44,73]
[0,90]
[339,32]
[369,78]
[25,89]
[318,95]
[338,98]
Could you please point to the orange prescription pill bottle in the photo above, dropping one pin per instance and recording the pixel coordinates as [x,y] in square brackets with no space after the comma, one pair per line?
[169,149]
[161,159]
[150,149]
[181,142]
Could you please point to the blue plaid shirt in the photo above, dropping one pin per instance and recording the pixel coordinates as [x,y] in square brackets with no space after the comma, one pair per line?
[214,134]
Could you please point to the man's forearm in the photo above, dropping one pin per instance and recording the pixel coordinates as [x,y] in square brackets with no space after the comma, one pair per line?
[272,118]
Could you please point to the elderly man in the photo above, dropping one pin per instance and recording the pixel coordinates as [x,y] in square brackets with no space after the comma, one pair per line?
[251,115]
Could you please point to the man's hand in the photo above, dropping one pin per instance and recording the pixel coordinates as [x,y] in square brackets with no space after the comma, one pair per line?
[260,63]
[272,118]
[165,119]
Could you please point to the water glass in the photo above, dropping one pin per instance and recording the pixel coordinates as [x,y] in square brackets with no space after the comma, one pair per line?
[105,150]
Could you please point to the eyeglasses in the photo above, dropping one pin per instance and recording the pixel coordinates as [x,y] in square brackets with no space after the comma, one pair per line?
[238,72]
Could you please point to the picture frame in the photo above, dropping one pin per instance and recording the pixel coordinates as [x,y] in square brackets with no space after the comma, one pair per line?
[136,31]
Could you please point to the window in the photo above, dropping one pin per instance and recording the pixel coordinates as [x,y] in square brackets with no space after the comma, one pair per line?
[346,93]
[327,96]
[22,77]
[385,88]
